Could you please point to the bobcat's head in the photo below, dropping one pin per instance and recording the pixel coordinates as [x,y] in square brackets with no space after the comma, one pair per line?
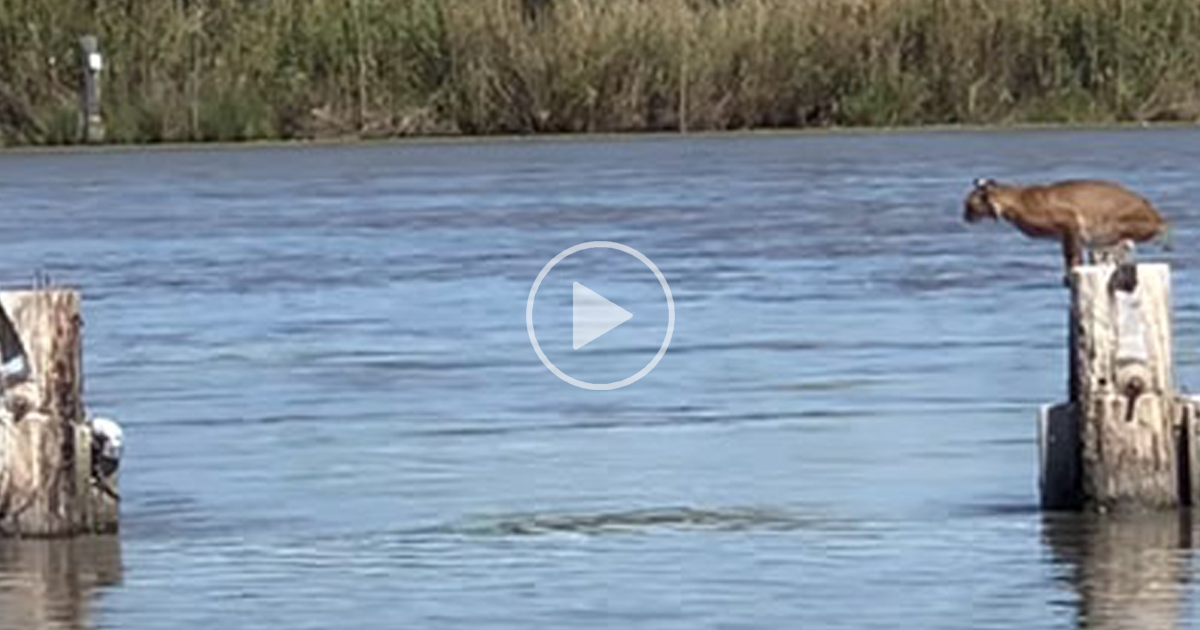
[979,204]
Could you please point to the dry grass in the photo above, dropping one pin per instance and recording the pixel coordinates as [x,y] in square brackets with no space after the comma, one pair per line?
[241,69]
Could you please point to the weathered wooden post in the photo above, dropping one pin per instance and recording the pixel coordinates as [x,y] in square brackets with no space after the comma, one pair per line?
[49,484]
[93,63]
[1124,439]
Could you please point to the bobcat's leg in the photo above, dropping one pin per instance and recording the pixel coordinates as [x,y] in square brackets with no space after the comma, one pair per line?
[1072,255]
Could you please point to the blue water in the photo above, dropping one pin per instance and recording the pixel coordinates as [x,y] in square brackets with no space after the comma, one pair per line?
[335,417]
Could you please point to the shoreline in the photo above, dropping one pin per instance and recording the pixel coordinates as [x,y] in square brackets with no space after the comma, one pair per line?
[614,136]
[390,69]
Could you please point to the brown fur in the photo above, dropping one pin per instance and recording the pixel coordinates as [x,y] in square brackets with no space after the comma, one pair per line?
[1080,214]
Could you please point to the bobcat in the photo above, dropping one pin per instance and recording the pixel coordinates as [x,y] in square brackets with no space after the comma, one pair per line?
[1097,215]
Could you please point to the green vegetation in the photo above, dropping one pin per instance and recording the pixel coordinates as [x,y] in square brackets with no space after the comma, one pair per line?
[256,69]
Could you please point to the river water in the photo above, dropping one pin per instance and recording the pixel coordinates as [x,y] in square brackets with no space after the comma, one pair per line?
[335,417]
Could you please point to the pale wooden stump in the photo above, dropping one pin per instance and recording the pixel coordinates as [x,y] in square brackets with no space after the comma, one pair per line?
[47,486]
[1119,443]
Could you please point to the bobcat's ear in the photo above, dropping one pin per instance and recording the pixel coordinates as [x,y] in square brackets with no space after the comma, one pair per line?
[984,183]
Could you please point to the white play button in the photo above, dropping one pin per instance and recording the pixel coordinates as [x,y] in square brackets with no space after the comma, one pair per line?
[592,316]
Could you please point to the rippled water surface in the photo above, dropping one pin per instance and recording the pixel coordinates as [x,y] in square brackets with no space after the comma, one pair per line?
[335,417]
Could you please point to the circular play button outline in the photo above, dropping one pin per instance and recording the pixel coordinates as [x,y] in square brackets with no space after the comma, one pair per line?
[670,315]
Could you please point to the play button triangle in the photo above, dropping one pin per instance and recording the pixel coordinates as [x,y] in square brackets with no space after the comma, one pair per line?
[592,316]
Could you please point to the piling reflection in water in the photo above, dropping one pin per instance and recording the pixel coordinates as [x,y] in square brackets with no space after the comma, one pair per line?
[51,584]
[1127,570]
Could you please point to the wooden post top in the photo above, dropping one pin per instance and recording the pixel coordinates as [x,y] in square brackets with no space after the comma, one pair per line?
[1083,270]
[1083,273]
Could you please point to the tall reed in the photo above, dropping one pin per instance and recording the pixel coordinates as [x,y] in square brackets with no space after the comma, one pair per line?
[239,69]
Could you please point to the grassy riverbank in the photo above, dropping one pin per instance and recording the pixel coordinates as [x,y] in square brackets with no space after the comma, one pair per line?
[182,70]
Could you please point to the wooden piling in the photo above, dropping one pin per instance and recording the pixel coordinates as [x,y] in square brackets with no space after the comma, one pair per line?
[92,63]
[1061,479]
[48,484]
[1120,441]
